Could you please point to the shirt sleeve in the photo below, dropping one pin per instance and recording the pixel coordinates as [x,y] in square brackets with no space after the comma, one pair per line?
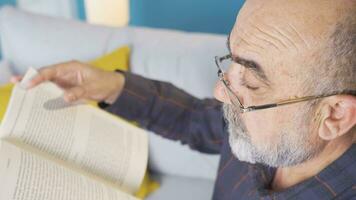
[172,113]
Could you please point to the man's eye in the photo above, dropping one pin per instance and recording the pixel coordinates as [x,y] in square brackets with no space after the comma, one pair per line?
[251,87]
[248,86]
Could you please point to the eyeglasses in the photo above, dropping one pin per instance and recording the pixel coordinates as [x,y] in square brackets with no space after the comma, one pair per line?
[234,99]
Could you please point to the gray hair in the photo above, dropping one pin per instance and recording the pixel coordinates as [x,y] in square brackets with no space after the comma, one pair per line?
[336,69]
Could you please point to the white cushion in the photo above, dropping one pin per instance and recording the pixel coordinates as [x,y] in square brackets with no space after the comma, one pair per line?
[5,72]
[170,157]
[33,40]
[184,59]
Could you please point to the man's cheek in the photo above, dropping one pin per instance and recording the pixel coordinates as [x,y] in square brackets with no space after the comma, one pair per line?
[259,127]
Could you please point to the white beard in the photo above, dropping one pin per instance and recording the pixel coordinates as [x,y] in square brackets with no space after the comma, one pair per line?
[242,149]
[240,144]
[293,146]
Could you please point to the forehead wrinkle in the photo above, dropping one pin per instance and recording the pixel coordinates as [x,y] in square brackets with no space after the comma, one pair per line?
[253,42]
[242,36]
[265,41]
[284,35]
[250,49]
[299,36]
[246,47]
[270,35]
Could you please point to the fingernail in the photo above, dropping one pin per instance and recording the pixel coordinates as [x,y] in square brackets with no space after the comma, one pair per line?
[13,80]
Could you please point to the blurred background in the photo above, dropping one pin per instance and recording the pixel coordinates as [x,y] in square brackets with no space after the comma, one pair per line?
[208,16]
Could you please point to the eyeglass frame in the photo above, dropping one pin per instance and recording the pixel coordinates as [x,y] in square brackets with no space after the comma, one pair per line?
[243,109]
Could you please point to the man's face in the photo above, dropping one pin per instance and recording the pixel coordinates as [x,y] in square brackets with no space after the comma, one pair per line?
[280,39]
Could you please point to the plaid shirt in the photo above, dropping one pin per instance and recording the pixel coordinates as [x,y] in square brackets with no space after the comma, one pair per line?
[174,114]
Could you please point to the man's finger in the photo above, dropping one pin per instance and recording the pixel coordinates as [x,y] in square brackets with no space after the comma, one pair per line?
[15,79]
[45,74]
[74,94]
[50,73]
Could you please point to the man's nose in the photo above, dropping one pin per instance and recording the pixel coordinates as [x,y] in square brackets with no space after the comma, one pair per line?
[220,93]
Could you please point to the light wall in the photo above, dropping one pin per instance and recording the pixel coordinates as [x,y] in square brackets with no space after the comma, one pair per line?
[57,8]
[107,12]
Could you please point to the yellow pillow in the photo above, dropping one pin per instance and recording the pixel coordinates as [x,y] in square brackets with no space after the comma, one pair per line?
[5,93]
[118,59]
[147,186]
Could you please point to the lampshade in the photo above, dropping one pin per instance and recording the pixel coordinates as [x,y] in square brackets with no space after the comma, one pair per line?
[107,12]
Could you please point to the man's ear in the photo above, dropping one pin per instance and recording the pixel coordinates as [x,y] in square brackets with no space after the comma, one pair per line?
[338,116]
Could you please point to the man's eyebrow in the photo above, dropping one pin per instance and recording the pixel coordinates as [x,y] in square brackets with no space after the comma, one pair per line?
[228,43]
[248,64]
[253,66]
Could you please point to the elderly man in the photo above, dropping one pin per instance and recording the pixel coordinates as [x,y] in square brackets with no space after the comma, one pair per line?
[288,91]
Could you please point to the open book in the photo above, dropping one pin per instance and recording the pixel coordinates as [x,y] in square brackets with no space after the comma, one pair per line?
[51,150]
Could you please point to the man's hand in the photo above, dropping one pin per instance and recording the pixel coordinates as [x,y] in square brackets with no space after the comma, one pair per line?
[81,81]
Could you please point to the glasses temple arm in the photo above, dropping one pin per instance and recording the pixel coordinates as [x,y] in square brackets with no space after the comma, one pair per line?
[286,102]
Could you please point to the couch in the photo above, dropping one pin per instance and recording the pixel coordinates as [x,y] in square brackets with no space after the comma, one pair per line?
[184,59]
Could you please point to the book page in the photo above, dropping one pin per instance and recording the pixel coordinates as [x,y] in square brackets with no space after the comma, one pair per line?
[26,176]
[80,134]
